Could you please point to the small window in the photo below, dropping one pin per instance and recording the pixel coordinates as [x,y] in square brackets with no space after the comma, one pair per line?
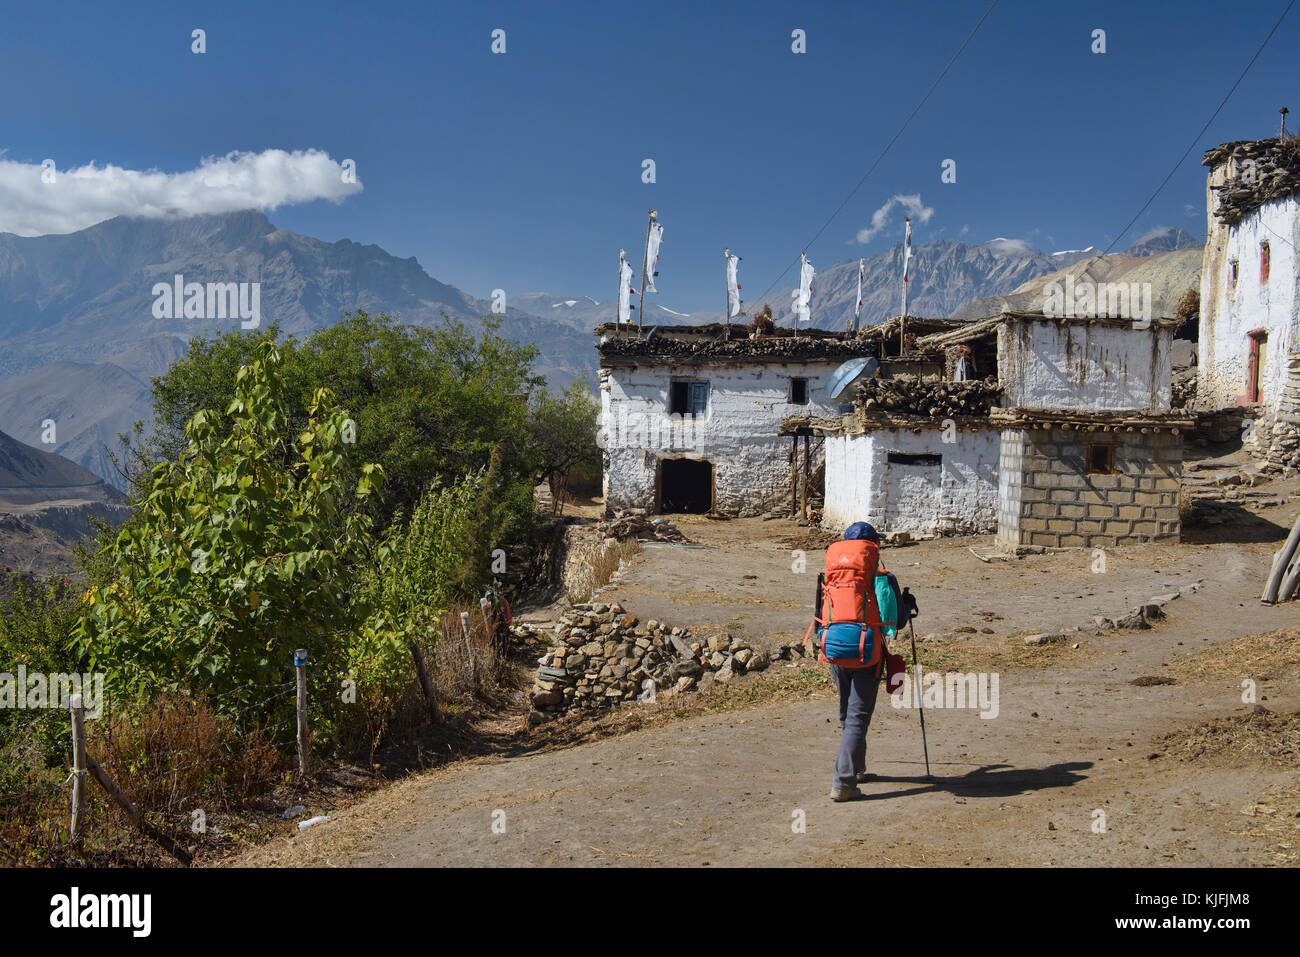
[1100,458]
[688,397]
[798,391]
[1263,262]
[1232,275]
[914,458]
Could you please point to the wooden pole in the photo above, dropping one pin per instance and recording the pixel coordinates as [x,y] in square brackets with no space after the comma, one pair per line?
[77,825]
[304,740]
[726,293]
[489,619]
[133,813]
[645,265]
[426,684]
[794,476]
[804,493]
[469,648]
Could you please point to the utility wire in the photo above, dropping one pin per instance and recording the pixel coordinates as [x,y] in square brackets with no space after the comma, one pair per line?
[1192,145]
[887,148]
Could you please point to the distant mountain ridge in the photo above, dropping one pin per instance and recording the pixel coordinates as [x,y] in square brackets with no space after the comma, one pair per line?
[33,477]
[79,341]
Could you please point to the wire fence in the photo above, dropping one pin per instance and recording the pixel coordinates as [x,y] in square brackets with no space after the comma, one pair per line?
[165,767]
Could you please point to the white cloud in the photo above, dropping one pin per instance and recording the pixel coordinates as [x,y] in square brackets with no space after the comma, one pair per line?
[1008,247]
[90,194]
[910,202]
[1158,233]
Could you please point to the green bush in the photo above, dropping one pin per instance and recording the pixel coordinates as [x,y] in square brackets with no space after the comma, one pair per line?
[242,549]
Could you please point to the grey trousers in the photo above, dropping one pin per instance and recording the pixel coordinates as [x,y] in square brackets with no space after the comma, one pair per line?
[857,688]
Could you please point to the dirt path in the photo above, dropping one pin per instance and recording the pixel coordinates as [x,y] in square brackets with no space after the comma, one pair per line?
[1073,737]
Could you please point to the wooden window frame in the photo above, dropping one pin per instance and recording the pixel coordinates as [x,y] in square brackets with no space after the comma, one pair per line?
[806,391]
[1110,448]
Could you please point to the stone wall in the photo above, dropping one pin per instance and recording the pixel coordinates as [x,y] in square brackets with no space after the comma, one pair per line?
[1284,436]
[1048,499]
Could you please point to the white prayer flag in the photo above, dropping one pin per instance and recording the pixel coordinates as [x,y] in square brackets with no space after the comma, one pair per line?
[624,288]
[857,309]
[907,250]
[733,284]
[653,239]
[803,295]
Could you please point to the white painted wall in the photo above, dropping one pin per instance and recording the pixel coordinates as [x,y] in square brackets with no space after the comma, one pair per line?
[1227,316]
[738,433]
[1078,365]
[959,496]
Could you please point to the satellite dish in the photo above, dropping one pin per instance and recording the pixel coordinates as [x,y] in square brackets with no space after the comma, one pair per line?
[850,374]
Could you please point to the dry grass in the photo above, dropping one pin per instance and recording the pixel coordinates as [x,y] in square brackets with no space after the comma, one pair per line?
[997,653]
[602,569]
[1262,657]
[1274,819]
[1261,734]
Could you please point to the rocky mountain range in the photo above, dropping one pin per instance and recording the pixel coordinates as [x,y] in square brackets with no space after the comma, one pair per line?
[80,337]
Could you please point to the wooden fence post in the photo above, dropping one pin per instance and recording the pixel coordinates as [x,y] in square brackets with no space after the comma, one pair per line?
[134,815]
[304,742]
[77,825]
[489,620]
[469,648]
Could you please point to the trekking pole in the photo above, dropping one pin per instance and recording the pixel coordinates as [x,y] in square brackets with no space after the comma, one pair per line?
[916,677]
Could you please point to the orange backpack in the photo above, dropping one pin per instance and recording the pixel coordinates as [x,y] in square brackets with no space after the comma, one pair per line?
[848,619]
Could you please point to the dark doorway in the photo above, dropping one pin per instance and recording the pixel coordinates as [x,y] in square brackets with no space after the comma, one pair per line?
[685,485]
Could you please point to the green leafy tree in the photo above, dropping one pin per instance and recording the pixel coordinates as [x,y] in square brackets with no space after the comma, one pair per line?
[243,548]
[428,404]
[562,438]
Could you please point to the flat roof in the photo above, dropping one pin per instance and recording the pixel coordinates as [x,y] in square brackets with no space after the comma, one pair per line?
[716,342]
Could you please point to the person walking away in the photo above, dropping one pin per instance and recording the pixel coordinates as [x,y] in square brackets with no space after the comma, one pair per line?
[858,607]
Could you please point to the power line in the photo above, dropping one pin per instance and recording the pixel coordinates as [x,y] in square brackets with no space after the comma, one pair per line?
[887,148]
[1192,145]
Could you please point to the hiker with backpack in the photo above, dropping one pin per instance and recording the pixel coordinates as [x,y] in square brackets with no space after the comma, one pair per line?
[858,608]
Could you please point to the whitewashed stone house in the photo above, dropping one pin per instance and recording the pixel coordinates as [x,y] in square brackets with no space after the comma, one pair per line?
[690,415]
[1249,337]
[1080,447]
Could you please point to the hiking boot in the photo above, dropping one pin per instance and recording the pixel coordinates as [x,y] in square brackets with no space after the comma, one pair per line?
[864,776]
[845,794]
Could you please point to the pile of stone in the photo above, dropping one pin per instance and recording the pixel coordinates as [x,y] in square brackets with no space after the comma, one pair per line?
[1266,170]
[604,656]
[1182,388]
[933,398]
[637,523]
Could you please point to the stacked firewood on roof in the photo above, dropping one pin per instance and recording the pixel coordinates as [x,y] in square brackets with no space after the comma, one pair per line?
[1264,171]
[931,397]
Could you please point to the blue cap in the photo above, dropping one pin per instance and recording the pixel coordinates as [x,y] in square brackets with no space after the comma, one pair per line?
[861,530]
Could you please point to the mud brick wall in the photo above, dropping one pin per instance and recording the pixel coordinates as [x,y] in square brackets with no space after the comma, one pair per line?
[1049,499]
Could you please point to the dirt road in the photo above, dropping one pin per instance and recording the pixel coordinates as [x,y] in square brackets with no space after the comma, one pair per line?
[1073,743]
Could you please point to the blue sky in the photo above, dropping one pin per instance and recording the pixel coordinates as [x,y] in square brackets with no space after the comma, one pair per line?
[523,171]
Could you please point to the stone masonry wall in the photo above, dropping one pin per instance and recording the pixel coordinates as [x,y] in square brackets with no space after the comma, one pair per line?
[1049,500]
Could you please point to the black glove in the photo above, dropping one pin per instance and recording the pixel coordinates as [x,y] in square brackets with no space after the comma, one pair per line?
[909,609]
